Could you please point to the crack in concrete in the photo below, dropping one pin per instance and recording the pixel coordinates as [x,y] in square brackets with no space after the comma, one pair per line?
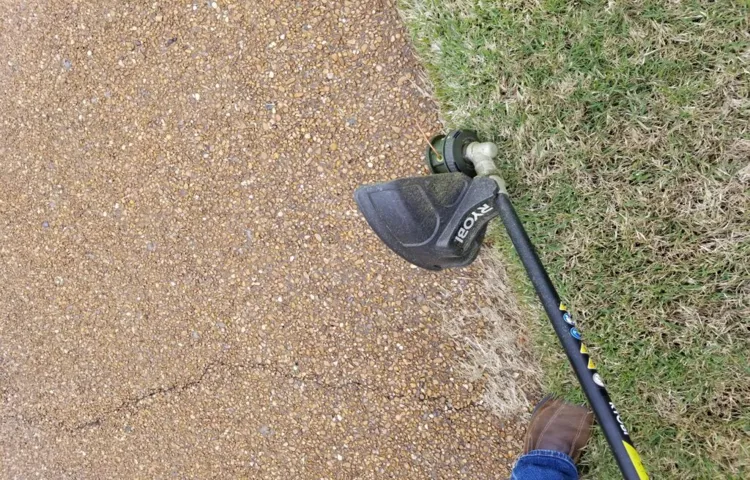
[134,404]
[178,388]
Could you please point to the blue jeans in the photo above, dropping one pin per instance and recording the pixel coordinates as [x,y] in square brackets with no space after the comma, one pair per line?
[544,465]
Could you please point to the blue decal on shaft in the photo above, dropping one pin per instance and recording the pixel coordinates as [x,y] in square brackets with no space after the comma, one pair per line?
[575,333]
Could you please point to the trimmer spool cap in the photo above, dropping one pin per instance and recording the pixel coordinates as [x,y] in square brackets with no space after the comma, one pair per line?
[450,155]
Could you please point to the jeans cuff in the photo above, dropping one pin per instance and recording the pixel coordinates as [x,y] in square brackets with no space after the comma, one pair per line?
[553,454]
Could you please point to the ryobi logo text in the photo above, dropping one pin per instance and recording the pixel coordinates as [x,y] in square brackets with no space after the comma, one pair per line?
[619,420]
[470,221]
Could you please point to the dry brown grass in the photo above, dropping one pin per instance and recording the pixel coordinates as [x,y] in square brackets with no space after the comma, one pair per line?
[501,353]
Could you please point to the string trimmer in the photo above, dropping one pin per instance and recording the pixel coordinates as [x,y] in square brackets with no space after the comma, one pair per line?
[439,221]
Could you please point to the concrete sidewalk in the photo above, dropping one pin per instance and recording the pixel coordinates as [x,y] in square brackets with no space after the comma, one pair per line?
[186,287]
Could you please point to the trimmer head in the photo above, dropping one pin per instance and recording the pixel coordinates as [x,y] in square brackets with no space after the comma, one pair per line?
[438,221]
[434,222]
[447,153]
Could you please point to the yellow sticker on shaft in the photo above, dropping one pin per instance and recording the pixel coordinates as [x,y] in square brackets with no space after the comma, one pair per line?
[563,307]
[584,349]
[591,365]
[636,459]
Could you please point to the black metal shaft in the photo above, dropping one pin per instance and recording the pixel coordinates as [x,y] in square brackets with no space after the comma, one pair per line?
[606,414]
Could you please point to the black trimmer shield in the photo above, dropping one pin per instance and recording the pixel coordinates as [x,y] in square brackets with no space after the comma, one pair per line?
[434,222]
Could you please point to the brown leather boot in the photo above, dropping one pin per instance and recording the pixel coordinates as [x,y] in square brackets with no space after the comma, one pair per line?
[556,425]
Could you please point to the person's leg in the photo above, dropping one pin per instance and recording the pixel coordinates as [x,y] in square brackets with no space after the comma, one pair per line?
[545,465]
[557,433]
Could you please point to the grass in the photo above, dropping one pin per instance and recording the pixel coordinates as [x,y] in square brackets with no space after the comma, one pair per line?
[624,134]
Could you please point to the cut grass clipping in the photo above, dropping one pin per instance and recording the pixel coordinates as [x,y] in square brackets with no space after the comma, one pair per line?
[623,131]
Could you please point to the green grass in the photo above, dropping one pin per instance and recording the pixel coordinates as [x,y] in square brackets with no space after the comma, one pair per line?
[624,134]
